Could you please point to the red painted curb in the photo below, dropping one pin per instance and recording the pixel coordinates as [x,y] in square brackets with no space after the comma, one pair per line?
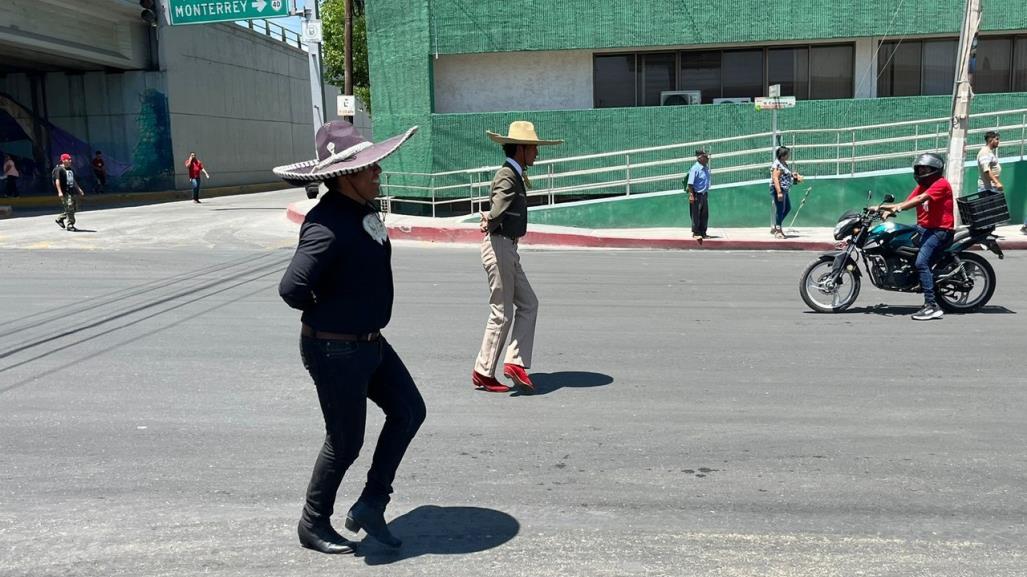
[470,235]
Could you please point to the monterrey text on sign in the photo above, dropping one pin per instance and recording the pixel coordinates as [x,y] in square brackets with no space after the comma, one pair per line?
[204,11]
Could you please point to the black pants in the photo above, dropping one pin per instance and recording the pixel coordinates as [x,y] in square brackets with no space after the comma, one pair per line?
[700,210]
[11,186]
[346,374]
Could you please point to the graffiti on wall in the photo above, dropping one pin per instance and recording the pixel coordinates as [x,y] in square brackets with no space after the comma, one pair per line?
[35,144]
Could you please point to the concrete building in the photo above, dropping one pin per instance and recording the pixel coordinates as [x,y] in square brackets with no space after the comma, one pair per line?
[84,76]
[602,75]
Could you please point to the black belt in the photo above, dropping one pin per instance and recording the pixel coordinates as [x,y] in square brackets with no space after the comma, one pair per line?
[327,336]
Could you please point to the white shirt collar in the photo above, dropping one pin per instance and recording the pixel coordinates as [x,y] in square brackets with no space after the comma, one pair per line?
[517,166]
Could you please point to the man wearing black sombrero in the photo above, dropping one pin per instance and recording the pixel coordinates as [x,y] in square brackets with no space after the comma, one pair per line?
[512,302]
[341,278]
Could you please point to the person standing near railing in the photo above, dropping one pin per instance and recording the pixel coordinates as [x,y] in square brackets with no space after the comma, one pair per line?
[698,185]
[512,302]
[781,179]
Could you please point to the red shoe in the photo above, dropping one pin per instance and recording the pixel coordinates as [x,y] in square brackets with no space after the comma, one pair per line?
[490,384]
[520,377]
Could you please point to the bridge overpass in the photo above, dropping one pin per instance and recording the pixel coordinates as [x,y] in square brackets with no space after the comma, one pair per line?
[78,76]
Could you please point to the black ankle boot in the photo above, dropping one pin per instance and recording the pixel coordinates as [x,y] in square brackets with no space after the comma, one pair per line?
[372,520]
[322,537]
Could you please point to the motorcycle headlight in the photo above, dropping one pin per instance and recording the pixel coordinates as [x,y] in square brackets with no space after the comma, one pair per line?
[840,229]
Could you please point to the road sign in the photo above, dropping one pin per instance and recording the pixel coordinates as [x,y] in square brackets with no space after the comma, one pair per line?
[775,91]
[775,103]
[311,31]
[206,11]
[347,105]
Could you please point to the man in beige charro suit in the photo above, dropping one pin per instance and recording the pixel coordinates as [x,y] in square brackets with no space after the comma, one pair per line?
[512,301]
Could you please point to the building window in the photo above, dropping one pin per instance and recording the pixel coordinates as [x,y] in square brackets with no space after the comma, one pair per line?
[742,71]
[789,67]
[928,67]
[939,66]
[832,72]
[701,71]
[994,67]
[614,80]
[899,65]
[1020,61]
[802,71]
[657,76]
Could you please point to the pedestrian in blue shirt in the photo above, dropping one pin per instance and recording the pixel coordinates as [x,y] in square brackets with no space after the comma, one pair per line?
[698,185]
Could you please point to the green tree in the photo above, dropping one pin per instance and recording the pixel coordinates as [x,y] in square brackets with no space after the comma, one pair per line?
[333,16]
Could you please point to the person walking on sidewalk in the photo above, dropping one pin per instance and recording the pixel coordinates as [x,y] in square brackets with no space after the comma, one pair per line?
[933,199]
[781,179]
[513,305]
[195,169]
[990,169]
[341,278]
[11,175]
[99,173]
[698,185]
[66,185]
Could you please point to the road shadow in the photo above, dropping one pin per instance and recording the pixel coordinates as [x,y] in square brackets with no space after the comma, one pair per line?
[905,311]
[78,230]
[433,530]
[546,383]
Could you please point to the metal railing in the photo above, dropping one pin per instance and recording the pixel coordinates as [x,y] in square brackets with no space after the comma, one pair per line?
[826,152]
[275,31]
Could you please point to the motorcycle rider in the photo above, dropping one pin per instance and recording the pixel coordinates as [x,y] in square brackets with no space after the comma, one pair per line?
[933,199]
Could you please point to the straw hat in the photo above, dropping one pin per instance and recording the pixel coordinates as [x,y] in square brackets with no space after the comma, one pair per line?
[340,150]
[521,132]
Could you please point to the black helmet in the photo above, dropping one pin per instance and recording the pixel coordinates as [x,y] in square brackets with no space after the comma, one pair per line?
[928,167]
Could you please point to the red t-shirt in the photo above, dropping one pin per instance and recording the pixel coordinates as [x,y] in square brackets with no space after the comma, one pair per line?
[194,168]
[937,211]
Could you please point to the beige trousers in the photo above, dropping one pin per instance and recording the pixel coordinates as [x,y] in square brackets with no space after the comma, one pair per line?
[513,306]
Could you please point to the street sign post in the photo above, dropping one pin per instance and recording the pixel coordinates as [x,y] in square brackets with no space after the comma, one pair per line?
[774,103]
[207,11]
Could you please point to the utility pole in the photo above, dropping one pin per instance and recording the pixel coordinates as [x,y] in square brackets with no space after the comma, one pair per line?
[348,53]
[962,94]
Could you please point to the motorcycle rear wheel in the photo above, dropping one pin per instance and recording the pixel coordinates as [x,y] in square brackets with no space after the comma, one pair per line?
[817,292]
[980,271]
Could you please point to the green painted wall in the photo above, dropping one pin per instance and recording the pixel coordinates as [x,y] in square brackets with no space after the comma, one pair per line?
[749,206]
[473,26]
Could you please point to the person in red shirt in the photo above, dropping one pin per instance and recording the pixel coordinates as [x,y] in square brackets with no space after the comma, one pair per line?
[195,168]
[933,199]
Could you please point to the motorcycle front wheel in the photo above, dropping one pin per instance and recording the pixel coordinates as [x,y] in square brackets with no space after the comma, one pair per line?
[969,293]
[822,294]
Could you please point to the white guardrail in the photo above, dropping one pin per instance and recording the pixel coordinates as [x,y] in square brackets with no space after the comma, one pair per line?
[815,152]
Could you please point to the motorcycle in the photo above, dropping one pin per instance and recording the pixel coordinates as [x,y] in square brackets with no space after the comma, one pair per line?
[964,281]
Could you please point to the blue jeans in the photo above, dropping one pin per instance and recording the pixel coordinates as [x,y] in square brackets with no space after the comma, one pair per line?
[781,207]
[196,187]
[932,242]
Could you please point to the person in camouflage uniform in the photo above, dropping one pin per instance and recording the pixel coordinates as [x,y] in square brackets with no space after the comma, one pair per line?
[64,182]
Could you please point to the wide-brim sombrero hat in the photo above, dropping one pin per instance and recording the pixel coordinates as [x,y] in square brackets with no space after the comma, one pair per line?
[521,132]
[341,150]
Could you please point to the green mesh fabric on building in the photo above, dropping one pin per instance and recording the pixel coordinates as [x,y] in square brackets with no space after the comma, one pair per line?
[406,35]
[473,26]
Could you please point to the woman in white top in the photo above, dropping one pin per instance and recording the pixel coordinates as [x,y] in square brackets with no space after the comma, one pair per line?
[11,175]
[781,179]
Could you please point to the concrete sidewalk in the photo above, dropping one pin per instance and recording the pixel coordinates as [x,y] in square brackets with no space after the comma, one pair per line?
[455,231]
[9,206]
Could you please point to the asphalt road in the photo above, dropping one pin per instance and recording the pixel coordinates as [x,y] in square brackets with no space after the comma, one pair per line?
[695,419]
